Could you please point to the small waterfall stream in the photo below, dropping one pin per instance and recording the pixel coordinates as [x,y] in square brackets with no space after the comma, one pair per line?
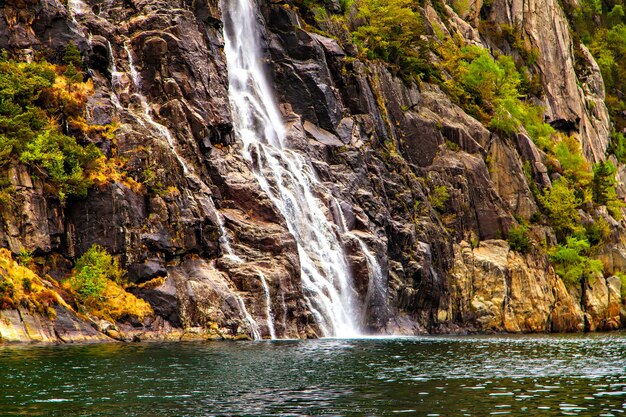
[77,8]
[287,178]
[376,287]
[268,305]
[189,172]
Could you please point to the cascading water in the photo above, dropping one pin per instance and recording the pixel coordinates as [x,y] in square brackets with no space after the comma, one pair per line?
[376,288]
[147,117]
[77,8]
[189,172]
[268,305]
[286,177]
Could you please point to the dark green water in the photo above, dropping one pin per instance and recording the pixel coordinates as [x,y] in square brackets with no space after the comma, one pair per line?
[480,376]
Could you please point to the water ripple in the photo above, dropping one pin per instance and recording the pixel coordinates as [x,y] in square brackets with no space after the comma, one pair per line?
[581,375]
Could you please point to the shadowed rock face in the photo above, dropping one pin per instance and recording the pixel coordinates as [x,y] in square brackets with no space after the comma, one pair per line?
[378,147]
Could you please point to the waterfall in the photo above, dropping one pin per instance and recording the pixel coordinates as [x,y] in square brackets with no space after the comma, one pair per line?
[254,328]
[145,119]
[115,78]
[268,305]
[287,178]
[376,287]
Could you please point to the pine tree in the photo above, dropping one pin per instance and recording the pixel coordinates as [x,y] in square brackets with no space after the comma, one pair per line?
[72,55]
[603,185]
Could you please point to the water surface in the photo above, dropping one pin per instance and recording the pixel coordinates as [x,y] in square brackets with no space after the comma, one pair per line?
[581,375]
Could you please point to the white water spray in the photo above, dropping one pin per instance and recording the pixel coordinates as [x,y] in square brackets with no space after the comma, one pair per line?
[286,177]
[163,131]
[76,8]
[254,327]
[376,285]
[268,305]
[115,78]
[376,280]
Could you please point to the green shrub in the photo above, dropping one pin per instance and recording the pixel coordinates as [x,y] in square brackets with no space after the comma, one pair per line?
[63,160]
[30,105]
[519,240]
[572,263]
[603,30]
[27,285]
[452,145]
[488,89]
[390,30]
[98,258]
[439,197]
[603,185]
[25,257]
[7,289]
[72,55]
[617,146]
[88,283]
[573,164]
[598,232]
[92,271]
[561,204]
[622,277]
[461,7]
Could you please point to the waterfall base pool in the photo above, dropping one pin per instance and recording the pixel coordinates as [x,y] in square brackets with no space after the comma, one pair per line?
[581,375]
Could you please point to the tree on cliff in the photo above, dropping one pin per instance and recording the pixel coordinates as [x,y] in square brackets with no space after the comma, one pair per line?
[390,30]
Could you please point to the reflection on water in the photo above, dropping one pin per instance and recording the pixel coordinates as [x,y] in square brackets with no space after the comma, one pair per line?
[582,375]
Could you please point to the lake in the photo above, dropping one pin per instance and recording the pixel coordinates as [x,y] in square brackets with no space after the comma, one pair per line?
[581,375]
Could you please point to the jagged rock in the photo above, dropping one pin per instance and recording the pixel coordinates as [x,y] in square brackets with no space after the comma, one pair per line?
[535,158]
[321,135]
[507,173]
[545,27]
[163,300]
[602,302]
[379,145]
[499,290]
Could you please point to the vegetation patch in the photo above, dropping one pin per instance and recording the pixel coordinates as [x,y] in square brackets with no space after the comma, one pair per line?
[43,125]
[572,262]
[95,286]
[601,25]
[519,239]
[98,282]
[21,287]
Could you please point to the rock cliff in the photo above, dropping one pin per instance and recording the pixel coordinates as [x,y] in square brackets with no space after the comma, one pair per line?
[381,147]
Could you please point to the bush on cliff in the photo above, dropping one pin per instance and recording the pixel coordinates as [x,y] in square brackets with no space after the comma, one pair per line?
[488,88]
[602,27]
[93,269]
[21,287]
[561,204]
[519,240]
[36,101]
[572,262]
[390,30]
[98,283]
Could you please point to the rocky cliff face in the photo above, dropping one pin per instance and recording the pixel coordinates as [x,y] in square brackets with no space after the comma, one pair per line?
[380,148]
